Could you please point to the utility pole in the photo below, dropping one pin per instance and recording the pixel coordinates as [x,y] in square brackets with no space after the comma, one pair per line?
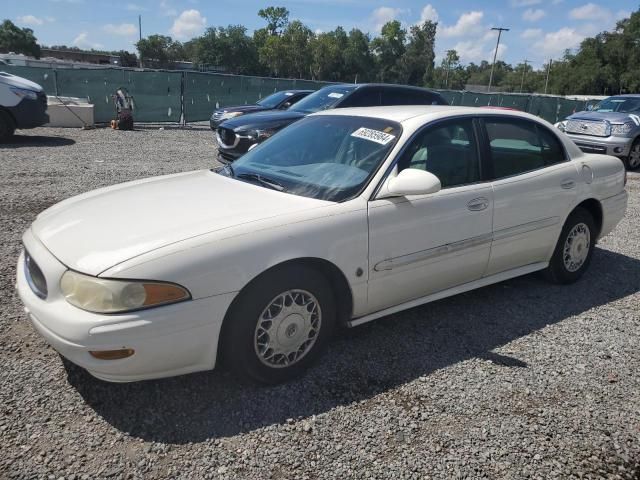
[495,54]
[524,72]
[546,83]
[446,80]
[140,36]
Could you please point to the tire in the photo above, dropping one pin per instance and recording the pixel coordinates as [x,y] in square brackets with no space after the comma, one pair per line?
[7,126]
[632,162]
[574,249]
[262,343]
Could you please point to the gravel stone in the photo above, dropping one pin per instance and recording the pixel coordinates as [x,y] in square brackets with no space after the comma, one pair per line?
[517,380]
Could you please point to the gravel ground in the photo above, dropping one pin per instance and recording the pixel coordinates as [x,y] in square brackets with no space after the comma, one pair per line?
[518,380]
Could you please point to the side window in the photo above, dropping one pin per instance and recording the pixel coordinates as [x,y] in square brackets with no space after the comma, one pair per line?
[399,96]
[552,149]
[362,97]
[519,146]
[396,96]
[447,150]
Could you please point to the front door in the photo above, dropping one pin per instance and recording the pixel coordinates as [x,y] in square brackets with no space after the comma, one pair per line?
[422,244]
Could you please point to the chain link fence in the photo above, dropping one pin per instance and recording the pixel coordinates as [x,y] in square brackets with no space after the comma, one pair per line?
[170,96]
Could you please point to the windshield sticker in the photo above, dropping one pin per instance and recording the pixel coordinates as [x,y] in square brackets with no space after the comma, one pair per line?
[373,135]
[335,95]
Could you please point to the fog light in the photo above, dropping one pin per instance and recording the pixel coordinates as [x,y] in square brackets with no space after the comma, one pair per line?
[112,354]
[618,149]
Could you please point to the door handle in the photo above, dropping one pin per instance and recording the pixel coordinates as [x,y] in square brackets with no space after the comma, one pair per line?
[568,184]
[478,204]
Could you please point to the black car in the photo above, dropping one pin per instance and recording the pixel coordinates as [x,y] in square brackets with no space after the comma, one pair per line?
[276,101]
[235,136]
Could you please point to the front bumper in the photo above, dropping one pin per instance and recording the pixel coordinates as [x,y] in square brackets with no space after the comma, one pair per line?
[169,340]
[614,146]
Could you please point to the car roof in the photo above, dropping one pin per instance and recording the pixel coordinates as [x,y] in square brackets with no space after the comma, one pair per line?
[383,85]
[295,91]
[404,113]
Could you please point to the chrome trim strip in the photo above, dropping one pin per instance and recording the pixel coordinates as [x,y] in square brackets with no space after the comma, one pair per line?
[433,252]
[224,145]
[404,260]
[525,228]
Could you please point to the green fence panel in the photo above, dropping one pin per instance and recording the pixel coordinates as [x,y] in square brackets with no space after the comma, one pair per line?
[453,97]
[545,107]
[156,95]
[45,77]
[204,92]
[518,102]
[95,85]
[472,99]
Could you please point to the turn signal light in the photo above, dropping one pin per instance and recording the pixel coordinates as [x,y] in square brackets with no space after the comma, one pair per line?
[112,354]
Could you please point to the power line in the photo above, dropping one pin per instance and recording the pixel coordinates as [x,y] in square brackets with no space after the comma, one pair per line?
[495,54]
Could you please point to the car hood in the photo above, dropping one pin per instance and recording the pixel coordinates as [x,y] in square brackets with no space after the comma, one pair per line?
[15,81]
[97,230]
[613,117]
[268,119]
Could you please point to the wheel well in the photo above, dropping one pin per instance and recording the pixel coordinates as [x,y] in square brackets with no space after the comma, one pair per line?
[594,207]
[335,278]
[2,109]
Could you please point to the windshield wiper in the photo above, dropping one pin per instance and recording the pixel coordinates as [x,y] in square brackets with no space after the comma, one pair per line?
[265,182]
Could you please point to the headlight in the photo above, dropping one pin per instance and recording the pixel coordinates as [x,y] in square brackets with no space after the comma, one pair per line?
[562,126]
[228,115]
[24,93]
[622,129]
[101,295]
[260,134]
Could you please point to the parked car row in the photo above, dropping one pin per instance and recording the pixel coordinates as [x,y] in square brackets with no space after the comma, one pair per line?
[236,135]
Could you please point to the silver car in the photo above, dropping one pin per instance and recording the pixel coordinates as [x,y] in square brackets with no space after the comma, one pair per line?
[612,127]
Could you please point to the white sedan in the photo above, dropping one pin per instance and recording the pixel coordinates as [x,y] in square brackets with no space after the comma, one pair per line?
[342,218]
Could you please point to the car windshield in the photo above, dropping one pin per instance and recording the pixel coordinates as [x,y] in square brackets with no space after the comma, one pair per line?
[618,104]
[327,157]
[275,99]
[322,99]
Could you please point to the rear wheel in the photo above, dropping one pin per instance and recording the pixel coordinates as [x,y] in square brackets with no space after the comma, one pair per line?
[7,126]
[574,249]
[279,325]
[632,161]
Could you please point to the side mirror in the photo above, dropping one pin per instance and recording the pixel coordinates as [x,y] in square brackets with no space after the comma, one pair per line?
[411,181]
[285,105]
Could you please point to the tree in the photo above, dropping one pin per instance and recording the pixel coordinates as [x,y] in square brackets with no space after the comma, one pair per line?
[388,50]
[277,19]
[357,58]
[18,40]
[230,47]
[127,59]
[418,60]
[159,50]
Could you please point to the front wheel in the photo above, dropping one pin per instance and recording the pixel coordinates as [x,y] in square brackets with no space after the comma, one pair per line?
[632,161]
[279,325]
[574,249]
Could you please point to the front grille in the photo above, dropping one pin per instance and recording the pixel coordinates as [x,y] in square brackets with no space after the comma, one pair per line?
[588,127]
[227,137]
[35,277]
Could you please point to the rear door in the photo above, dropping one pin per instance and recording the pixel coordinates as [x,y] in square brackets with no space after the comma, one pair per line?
[534,187]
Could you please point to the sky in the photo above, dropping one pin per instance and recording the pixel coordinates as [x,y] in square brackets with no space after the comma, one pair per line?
[539,29]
